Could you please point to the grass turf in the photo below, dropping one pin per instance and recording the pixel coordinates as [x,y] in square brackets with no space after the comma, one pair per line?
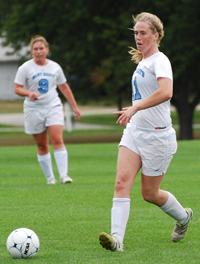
[68,218]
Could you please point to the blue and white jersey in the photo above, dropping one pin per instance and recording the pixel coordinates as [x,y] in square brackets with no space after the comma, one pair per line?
[43,80]
[144,83]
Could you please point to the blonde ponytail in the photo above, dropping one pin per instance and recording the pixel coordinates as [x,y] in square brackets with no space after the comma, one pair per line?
[136,55]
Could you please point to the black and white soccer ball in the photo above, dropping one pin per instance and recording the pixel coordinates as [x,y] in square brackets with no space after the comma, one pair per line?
[23,243]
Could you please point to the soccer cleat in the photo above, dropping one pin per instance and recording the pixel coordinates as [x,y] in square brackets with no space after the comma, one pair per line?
[110,242]
[181,229]
[66,179]
[51,181]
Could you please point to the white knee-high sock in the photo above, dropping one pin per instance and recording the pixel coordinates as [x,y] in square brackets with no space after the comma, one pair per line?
[174,209]
[46,165]
[61,157]
[119,217]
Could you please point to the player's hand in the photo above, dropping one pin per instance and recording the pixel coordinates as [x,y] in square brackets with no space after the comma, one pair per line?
[125,115]
[33,95]
[77,114]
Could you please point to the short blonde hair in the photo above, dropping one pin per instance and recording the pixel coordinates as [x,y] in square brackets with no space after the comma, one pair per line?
[155,25]
[38,38]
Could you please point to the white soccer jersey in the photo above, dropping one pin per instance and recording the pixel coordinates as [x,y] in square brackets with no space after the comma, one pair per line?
[144,83]
[43,80]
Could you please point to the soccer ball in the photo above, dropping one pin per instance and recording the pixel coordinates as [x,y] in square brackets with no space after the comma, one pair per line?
[23,243]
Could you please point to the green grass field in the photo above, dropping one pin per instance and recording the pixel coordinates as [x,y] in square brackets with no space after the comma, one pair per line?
[68,218]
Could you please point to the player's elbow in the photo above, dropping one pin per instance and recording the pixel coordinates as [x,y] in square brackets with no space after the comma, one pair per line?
[166,88]
[17,88]
[168,95]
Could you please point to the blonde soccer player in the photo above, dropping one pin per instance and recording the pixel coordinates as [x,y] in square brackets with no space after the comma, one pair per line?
[149,140]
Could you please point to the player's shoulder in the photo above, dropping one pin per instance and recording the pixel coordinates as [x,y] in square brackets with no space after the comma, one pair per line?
[26,63]
[25,67]
[53,63]
[152,60]
[160,56]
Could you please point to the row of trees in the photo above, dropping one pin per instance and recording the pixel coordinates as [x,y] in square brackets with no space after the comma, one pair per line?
[90,40]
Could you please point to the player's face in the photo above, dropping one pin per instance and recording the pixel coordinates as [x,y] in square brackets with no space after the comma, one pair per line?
[39,52]
[145,39]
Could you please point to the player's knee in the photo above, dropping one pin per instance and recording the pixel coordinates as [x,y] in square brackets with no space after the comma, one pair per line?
[148,196]
[42,148]
[120,183]
[57,142]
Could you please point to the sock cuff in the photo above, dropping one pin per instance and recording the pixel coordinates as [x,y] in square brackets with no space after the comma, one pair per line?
[121,200]
[165,206]
[44,156]
[59,150]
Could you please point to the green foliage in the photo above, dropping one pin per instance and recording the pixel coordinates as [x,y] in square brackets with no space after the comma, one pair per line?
[90,40]
[68,218]
[81,36]
[182,27]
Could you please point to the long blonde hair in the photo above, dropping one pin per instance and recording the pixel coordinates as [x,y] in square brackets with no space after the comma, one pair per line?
[155,25]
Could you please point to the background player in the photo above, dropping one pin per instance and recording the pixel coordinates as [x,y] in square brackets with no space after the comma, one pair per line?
[37,80]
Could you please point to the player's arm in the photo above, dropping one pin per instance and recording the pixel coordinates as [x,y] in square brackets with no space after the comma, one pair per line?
[19,89]
[66,91]
[162,94]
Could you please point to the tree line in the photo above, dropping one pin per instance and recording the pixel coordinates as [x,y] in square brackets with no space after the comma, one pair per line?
[91,39]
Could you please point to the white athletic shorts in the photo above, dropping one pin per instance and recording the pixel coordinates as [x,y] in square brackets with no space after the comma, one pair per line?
[156,148]
[37,121]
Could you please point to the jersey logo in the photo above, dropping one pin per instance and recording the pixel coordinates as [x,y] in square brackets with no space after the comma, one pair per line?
[135,88]
[140,72]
